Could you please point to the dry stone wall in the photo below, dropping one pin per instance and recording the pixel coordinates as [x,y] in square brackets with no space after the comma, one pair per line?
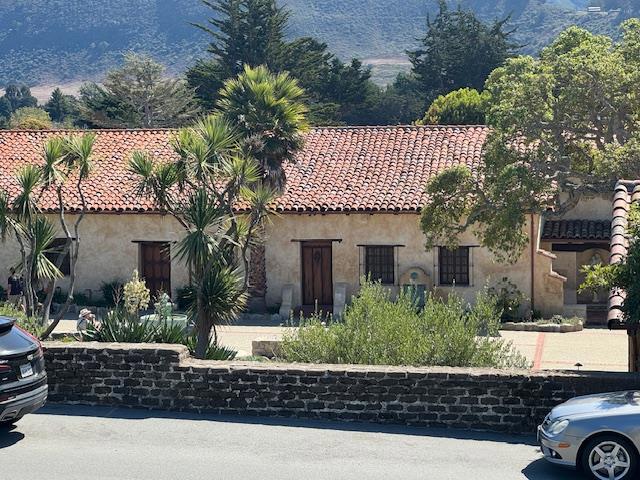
[165,377]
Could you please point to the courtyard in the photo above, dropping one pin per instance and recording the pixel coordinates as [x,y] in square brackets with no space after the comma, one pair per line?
[593,348]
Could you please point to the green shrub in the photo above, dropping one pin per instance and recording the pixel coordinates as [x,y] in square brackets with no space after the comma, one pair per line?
[183,297]
[465,106]
[170,332]
[379,331]
[80,299]
[509,299]
[214,352]
[59,296]
[561,320]
[30,324]
[112,292]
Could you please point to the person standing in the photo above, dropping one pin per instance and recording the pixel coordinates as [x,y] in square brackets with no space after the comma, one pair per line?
[15,289]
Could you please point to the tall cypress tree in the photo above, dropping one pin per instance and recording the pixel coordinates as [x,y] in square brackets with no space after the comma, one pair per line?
[252,32]
[459,51]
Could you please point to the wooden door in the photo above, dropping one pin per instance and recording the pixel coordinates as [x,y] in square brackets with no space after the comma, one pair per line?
[155,267]
[317,273]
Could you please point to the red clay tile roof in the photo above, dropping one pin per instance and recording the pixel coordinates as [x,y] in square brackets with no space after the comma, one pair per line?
[576,230]
[111,187]
[626,193]
[340,169]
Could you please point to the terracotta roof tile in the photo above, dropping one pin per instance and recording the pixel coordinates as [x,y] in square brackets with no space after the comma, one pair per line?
[626,193]
[576,230]
[340,169]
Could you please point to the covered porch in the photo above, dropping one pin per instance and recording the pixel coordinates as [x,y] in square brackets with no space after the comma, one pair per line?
[575,244]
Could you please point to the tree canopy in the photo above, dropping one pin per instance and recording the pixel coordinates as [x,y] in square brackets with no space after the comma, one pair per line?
[466,106]
[30,118]
[268,112]
[61,107]
[565,126]
[252,32]
[138,95]
[459,51]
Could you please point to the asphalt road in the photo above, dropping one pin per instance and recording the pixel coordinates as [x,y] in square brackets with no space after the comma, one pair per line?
[81,443]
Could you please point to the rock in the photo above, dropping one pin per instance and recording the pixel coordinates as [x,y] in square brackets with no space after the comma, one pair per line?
[269,347]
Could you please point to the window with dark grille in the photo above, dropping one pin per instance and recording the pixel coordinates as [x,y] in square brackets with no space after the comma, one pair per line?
[454,266]
[379,264]
[58,246]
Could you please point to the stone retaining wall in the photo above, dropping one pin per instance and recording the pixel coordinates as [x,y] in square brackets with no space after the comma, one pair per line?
[164,377]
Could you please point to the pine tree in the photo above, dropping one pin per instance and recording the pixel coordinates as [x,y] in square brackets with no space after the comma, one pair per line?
[60,106]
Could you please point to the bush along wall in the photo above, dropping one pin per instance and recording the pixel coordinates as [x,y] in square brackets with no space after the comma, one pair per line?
[165,377]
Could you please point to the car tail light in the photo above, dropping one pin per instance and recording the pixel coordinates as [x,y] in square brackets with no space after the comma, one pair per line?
[4,367]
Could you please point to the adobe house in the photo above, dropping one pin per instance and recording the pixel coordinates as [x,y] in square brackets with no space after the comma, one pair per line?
[351,207]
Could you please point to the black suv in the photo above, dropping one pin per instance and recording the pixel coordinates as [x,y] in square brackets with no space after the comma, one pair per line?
[23,380]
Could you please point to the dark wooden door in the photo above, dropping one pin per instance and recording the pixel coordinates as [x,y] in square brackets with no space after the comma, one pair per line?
[155,267]
[317,273]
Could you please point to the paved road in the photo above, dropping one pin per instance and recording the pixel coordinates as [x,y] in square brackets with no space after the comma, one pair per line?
[81,443]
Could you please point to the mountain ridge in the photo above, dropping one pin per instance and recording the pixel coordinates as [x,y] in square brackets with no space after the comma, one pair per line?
[62,41]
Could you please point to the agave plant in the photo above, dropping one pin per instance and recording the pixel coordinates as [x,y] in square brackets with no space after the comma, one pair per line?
[121,326]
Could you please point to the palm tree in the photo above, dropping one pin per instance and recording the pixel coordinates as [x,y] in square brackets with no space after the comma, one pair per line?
[201,190]
[269,113]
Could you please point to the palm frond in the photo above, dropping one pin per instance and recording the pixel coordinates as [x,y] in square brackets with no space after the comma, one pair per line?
[54,159]
[80,153]
[141,164]
[221,287]
[206,222]
[43,233]
[24,205]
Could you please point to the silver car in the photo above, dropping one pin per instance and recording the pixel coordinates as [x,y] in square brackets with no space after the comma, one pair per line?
[598,434]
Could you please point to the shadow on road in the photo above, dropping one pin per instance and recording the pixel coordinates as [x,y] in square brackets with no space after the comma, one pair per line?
[543,470]
[9,437]
[140,414]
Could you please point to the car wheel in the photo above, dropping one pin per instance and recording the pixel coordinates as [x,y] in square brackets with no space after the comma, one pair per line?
[609,457]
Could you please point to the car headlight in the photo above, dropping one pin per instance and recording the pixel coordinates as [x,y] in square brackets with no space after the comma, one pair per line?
[558,427]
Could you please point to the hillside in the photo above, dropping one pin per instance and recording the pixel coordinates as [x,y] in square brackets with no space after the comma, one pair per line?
[69,40]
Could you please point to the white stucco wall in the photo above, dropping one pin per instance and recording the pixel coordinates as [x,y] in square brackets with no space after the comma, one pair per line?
[592,208]
[108,248]
[283,256]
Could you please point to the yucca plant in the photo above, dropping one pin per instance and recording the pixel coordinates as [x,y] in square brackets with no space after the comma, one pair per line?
[67,160]
[64,158]
[33,232]
[213,351]
[170,332]
[214,176]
